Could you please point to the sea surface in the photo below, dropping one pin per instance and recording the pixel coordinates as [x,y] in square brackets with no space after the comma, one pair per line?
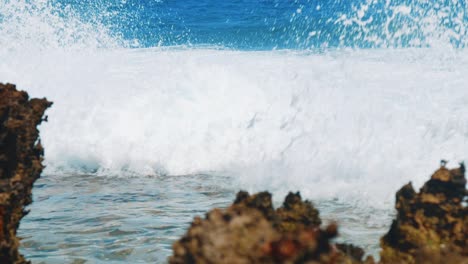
[164,109]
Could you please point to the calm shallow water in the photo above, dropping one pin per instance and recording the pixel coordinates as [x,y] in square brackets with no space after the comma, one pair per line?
[98,219]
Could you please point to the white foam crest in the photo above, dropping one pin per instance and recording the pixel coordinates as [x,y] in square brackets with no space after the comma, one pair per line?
[344,123]
[438,24]
[32,26]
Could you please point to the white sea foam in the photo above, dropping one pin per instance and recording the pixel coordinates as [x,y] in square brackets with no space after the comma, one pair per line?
[349,123]
[28,27]
[359,122]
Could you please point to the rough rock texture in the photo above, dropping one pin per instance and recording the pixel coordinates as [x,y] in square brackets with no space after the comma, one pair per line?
[296,214]
[20,163]
[252,231]
[432,225]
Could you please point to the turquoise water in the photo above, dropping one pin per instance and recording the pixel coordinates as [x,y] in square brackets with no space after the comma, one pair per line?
[165,109]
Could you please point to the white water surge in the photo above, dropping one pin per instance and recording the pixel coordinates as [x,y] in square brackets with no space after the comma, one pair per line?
[357,123]
[339,123]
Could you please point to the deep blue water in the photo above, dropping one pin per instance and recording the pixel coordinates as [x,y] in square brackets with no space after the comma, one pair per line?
[277,24]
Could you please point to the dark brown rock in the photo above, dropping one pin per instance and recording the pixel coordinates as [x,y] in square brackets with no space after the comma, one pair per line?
[431,225]
[251,231]
[296,214]
[20,163]
[260,201]
[351,250]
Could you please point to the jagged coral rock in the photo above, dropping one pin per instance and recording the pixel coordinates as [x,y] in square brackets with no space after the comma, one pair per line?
[235,235]
[251,231]
[432,225]
[296,214]
[20,163]
[260,201]
[353,251]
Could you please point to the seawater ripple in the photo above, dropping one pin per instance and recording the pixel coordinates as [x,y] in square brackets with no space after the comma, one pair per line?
[83,218]
[89,219]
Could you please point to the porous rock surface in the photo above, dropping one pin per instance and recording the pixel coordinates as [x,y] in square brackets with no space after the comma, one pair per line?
[20,163]
[252,231]
[431,226]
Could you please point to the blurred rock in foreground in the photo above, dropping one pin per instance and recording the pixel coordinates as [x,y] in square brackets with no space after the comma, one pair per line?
[252,231]
[20,163]
[432,225]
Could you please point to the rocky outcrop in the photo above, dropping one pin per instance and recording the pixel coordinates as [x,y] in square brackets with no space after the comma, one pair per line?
[20,163]
[252,231]
[431,226]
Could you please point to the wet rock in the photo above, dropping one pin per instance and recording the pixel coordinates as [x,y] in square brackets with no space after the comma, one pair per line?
[234,235]
[20,163]
[431,226]
[351,250]
[296,214]
[260,201]
[251,231]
